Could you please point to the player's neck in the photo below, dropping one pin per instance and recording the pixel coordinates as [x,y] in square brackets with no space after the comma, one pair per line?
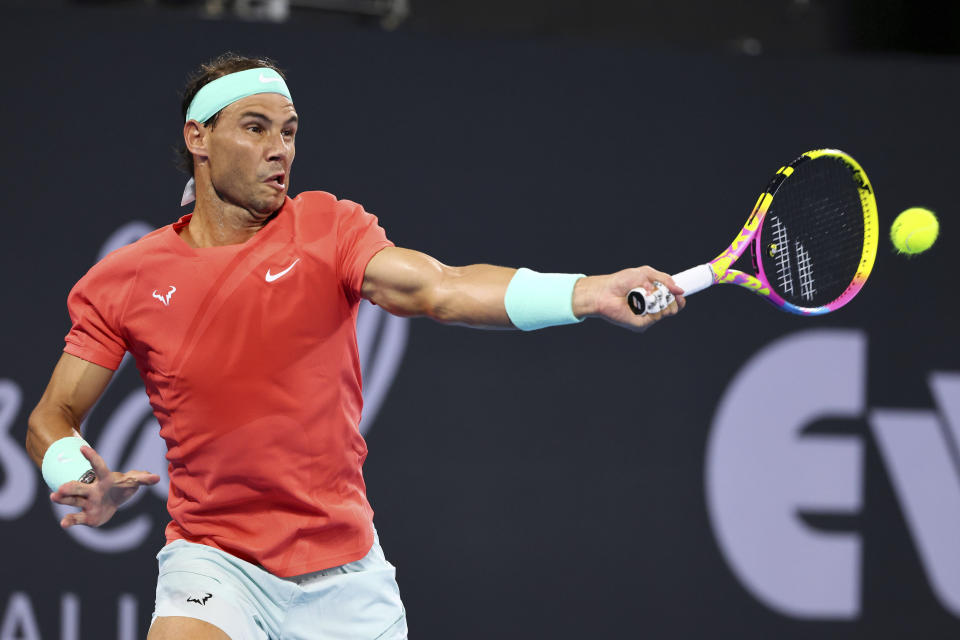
[216,223]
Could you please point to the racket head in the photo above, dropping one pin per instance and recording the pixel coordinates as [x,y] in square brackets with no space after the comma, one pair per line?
[814,234]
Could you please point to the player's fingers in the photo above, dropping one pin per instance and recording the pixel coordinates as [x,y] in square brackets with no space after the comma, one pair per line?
[654,277]
[668,282]
[73,488]
[70,501]
[72,519]
[668,305]
[659,306]
[654,303]
[660,298]
[654,306]
[141,477]
[99,466]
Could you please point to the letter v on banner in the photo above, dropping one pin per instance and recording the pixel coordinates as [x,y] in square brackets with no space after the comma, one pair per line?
[920,451]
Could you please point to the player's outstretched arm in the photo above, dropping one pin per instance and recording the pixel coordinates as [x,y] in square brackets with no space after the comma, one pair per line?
[73,389]
[410,283]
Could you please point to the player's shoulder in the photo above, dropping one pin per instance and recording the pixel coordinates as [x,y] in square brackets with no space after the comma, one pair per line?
[124,262]
[319,202]
[319,213]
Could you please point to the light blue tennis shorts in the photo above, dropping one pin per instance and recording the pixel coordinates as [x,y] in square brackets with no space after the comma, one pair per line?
[355,601]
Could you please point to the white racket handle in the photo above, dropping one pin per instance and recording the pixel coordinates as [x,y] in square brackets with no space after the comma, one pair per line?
[695,279]
[691,281]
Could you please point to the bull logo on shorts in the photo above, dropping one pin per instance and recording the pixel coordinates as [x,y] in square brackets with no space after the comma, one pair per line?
[200,599]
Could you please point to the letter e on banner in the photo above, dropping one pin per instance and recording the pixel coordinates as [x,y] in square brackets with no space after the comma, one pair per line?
[761,471]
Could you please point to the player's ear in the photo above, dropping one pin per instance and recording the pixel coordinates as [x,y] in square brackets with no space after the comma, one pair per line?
[195,138]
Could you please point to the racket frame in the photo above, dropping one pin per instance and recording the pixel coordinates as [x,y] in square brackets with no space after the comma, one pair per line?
[720,267]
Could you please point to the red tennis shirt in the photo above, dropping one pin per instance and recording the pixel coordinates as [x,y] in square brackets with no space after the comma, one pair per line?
[249,355]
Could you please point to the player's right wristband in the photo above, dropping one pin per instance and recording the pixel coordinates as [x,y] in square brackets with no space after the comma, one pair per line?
[64,462]
[537,300]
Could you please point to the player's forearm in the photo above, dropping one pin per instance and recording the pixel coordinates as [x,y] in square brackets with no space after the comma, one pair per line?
[472,296]
[73,389]
[476,296]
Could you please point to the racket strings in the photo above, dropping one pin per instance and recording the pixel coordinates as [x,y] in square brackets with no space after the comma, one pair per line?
[813,234]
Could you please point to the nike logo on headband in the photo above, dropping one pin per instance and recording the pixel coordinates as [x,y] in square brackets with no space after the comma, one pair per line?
[266,79]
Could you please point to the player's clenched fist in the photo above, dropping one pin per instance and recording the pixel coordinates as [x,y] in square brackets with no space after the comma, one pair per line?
[605,296]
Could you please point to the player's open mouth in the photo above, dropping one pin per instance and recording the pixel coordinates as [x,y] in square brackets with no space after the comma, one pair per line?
[277,180]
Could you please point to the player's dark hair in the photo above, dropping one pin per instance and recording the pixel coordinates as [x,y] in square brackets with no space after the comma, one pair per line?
[224,64]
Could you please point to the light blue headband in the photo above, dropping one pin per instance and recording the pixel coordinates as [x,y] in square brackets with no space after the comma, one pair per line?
[224,91]
[227,89]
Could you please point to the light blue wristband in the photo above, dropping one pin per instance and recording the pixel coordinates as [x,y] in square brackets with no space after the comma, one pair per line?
[537,300]
[63,462]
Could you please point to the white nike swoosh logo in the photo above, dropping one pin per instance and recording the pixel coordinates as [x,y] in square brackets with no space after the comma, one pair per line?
[270,277]
[265,79]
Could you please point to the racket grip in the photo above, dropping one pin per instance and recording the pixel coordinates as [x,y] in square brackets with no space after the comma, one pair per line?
[695,279]
[691,281]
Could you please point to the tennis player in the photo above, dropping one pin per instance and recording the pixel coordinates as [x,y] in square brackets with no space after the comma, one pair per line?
[242,319]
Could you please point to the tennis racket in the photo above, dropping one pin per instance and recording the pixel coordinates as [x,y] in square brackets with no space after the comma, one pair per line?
[812,235]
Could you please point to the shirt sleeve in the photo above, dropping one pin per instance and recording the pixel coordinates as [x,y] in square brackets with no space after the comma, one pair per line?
[95,308]
[359,238]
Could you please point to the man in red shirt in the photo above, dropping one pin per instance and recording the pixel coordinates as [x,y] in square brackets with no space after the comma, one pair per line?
[242,320]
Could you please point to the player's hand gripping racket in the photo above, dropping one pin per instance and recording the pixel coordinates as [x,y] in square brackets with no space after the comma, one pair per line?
[812,236]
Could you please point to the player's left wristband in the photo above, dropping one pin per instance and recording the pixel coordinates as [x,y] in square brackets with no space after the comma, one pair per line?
[537,300]
[64,462]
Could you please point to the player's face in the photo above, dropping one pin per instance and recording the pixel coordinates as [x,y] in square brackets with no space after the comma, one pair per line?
[251,150]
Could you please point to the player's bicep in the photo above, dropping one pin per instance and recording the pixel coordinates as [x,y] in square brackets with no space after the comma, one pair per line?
[402,281]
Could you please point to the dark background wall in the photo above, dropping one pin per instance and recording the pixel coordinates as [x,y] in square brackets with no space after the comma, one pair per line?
[747,26]
[553,484]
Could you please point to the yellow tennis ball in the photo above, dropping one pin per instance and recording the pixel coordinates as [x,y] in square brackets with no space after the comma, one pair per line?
[914,230]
